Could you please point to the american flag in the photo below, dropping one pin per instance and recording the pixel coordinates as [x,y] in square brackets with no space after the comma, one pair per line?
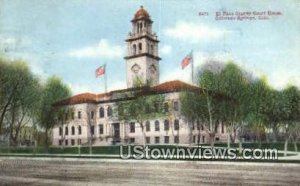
[100,71]
[187,60]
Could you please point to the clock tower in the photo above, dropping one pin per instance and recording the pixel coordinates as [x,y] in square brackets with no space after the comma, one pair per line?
[142,60]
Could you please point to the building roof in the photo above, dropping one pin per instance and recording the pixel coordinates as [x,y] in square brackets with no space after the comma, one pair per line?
[174,86]
[167,87]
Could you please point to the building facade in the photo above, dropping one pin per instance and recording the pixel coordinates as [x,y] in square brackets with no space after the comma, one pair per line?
[91,117]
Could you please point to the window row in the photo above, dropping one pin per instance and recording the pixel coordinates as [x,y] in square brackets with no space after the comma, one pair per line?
[109,113]
[72,130]
[156,126]
[156,140]
[79,131]
[66,142]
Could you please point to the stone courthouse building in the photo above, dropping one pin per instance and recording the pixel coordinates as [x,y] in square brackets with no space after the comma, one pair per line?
[93,114]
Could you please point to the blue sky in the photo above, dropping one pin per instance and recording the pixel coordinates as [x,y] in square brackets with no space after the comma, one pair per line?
[72,38]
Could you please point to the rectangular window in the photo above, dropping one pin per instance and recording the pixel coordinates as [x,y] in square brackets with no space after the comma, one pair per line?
[73,130]
[92,130]
[156,125]
[167,138]
[216,127]
[66,131]
[60,142]
[79,142]
[60,131]
[72,142]
[79,115]
[194,139]
[79,130]
[167,127]
[157,139]
[147,126]
[222,128]
[132,127]
[92,115]
[203,139]
[176,106]
[148,140]
[132,140]
[176,139]
[193,126]
[166,107]
[100,129]
[66,142]
[176,124]
[73,115]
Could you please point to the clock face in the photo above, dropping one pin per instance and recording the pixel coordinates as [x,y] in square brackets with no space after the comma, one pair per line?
[135,68]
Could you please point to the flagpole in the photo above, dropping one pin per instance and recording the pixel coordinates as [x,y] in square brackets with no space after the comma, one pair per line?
[192,67]
[105,79]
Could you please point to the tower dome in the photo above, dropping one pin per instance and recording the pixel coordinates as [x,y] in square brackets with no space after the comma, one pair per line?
[141,13]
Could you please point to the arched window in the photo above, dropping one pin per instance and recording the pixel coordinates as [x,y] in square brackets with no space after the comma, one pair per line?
[140,27]
[167,126]
[140,47]
[60,131]
[109,111]
[73,130]
[101,112]
[134,49]
[66,131]
[156,125]
[79,130]
[147,126]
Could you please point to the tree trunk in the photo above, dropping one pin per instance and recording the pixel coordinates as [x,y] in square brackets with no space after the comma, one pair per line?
[46,140]
[286,146]
[212,139]
[240,146]
[275,133]
[190,133]
[259,140]
[228,140]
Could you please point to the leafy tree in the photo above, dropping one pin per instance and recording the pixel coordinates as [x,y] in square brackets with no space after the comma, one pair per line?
[53,91]
[140,106]
[290,116]
[19,98]
[258,106]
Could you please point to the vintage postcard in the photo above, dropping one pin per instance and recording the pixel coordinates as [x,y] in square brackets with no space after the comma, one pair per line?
[166,92]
